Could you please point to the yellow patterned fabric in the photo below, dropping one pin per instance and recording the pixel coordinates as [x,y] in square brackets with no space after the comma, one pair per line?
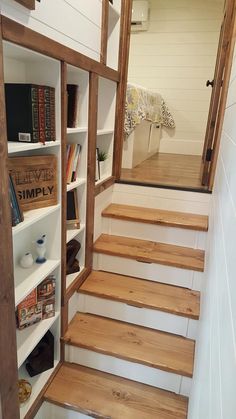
[142,104]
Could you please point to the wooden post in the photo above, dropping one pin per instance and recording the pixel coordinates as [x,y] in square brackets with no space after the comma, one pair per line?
[121,88]
[8,351]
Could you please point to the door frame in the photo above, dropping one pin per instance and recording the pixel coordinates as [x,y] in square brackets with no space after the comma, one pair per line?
[222,96]
[219,95]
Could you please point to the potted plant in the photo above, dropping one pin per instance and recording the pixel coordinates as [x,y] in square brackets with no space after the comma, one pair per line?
[102,157]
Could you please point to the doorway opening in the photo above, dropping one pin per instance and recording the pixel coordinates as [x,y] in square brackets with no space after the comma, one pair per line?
[185,44]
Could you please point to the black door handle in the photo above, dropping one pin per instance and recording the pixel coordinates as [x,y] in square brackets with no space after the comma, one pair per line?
[210,83]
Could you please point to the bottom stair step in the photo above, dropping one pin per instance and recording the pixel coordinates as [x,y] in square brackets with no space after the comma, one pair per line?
[102,395]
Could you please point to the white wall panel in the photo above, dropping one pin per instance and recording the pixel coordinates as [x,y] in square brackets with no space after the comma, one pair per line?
[175,57]
[213,392]
[72,23]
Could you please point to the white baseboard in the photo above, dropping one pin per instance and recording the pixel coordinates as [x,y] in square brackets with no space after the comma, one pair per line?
[181,147]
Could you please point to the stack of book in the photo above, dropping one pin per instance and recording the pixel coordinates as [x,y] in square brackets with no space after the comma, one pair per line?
[38,305]
[30,112]
[72,162]
[16,213]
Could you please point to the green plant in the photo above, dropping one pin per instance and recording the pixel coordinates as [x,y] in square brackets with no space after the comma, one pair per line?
[102,155]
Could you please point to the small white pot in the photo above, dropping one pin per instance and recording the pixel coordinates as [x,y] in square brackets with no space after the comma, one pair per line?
[26,261]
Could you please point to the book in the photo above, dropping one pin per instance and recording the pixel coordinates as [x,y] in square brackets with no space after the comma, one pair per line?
[38,305]
[22,112]
[52,113]
[41,98]
[72,105]
[29,311]
[16,212]
[76,163]
[46,296]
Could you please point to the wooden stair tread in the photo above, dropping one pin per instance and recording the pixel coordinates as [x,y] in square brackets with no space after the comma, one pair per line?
[141,293]
[102,395]
[150,252]
[134,343]
[157,216]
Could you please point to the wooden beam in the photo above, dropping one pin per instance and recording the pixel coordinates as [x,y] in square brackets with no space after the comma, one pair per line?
[29,4]
[8,350]
[125,29]
[104,185]
[92,138]
[104,32]
[223,98]
[25,37]
[63,178]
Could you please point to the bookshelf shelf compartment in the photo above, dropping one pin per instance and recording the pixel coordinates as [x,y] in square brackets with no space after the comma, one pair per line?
[35,275]
[31,217]
[29,337]
[77,130]
[105,131]
[18,147]
[71,234]
[75,184]
[37,383]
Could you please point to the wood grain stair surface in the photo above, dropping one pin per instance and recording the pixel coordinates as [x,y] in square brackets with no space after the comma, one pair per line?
[157,216]
[102,395]
[141,293]
[150,252]
[138,344]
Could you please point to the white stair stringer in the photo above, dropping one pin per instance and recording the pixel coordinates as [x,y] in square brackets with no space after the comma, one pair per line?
[154,319]
[131,370]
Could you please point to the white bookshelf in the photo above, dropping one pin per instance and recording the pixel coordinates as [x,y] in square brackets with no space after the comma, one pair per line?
[105,124]
[25,66]
[79,135]
[113,34]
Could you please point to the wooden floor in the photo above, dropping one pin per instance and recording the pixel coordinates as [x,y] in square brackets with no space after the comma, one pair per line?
[167,169]
[133,343]
[104,396]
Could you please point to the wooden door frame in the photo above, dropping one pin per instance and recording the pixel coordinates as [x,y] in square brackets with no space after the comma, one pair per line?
[218,97]
[8,353]
[222,99]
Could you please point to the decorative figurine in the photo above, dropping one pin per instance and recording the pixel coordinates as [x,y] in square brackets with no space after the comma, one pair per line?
[41,249]
[26,261]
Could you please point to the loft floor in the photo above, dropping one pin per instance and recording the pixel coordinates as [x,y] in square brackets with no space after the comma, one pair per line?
[177,170]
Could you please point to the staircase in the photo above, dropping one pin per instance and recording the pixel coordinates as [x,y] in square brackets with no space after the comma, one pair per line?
[130,348]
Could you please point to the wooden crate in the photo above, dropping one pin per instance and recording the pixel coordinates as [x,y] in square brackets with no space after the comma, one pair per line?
[35,179]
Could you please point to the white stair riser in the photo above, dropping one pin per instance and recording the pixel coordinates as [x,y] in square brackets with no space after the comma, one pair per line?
[154,319]
[51,411]
[149,271]
[157,233]
[130,370]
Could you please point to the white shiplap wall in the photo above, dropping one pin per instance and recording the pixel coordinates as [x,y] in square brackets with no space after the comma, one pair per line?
[76,24]
[175,57]
[213,395]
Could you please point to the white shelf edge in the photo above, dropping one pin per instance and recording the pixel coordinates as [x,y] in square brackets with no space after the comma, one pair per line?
[105,177]
[76,130]
[70,278]
[71,234]
[37,382]
[30,217]
[75,184]
[36,274]
[105,131]
[29,337]
[18,147]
